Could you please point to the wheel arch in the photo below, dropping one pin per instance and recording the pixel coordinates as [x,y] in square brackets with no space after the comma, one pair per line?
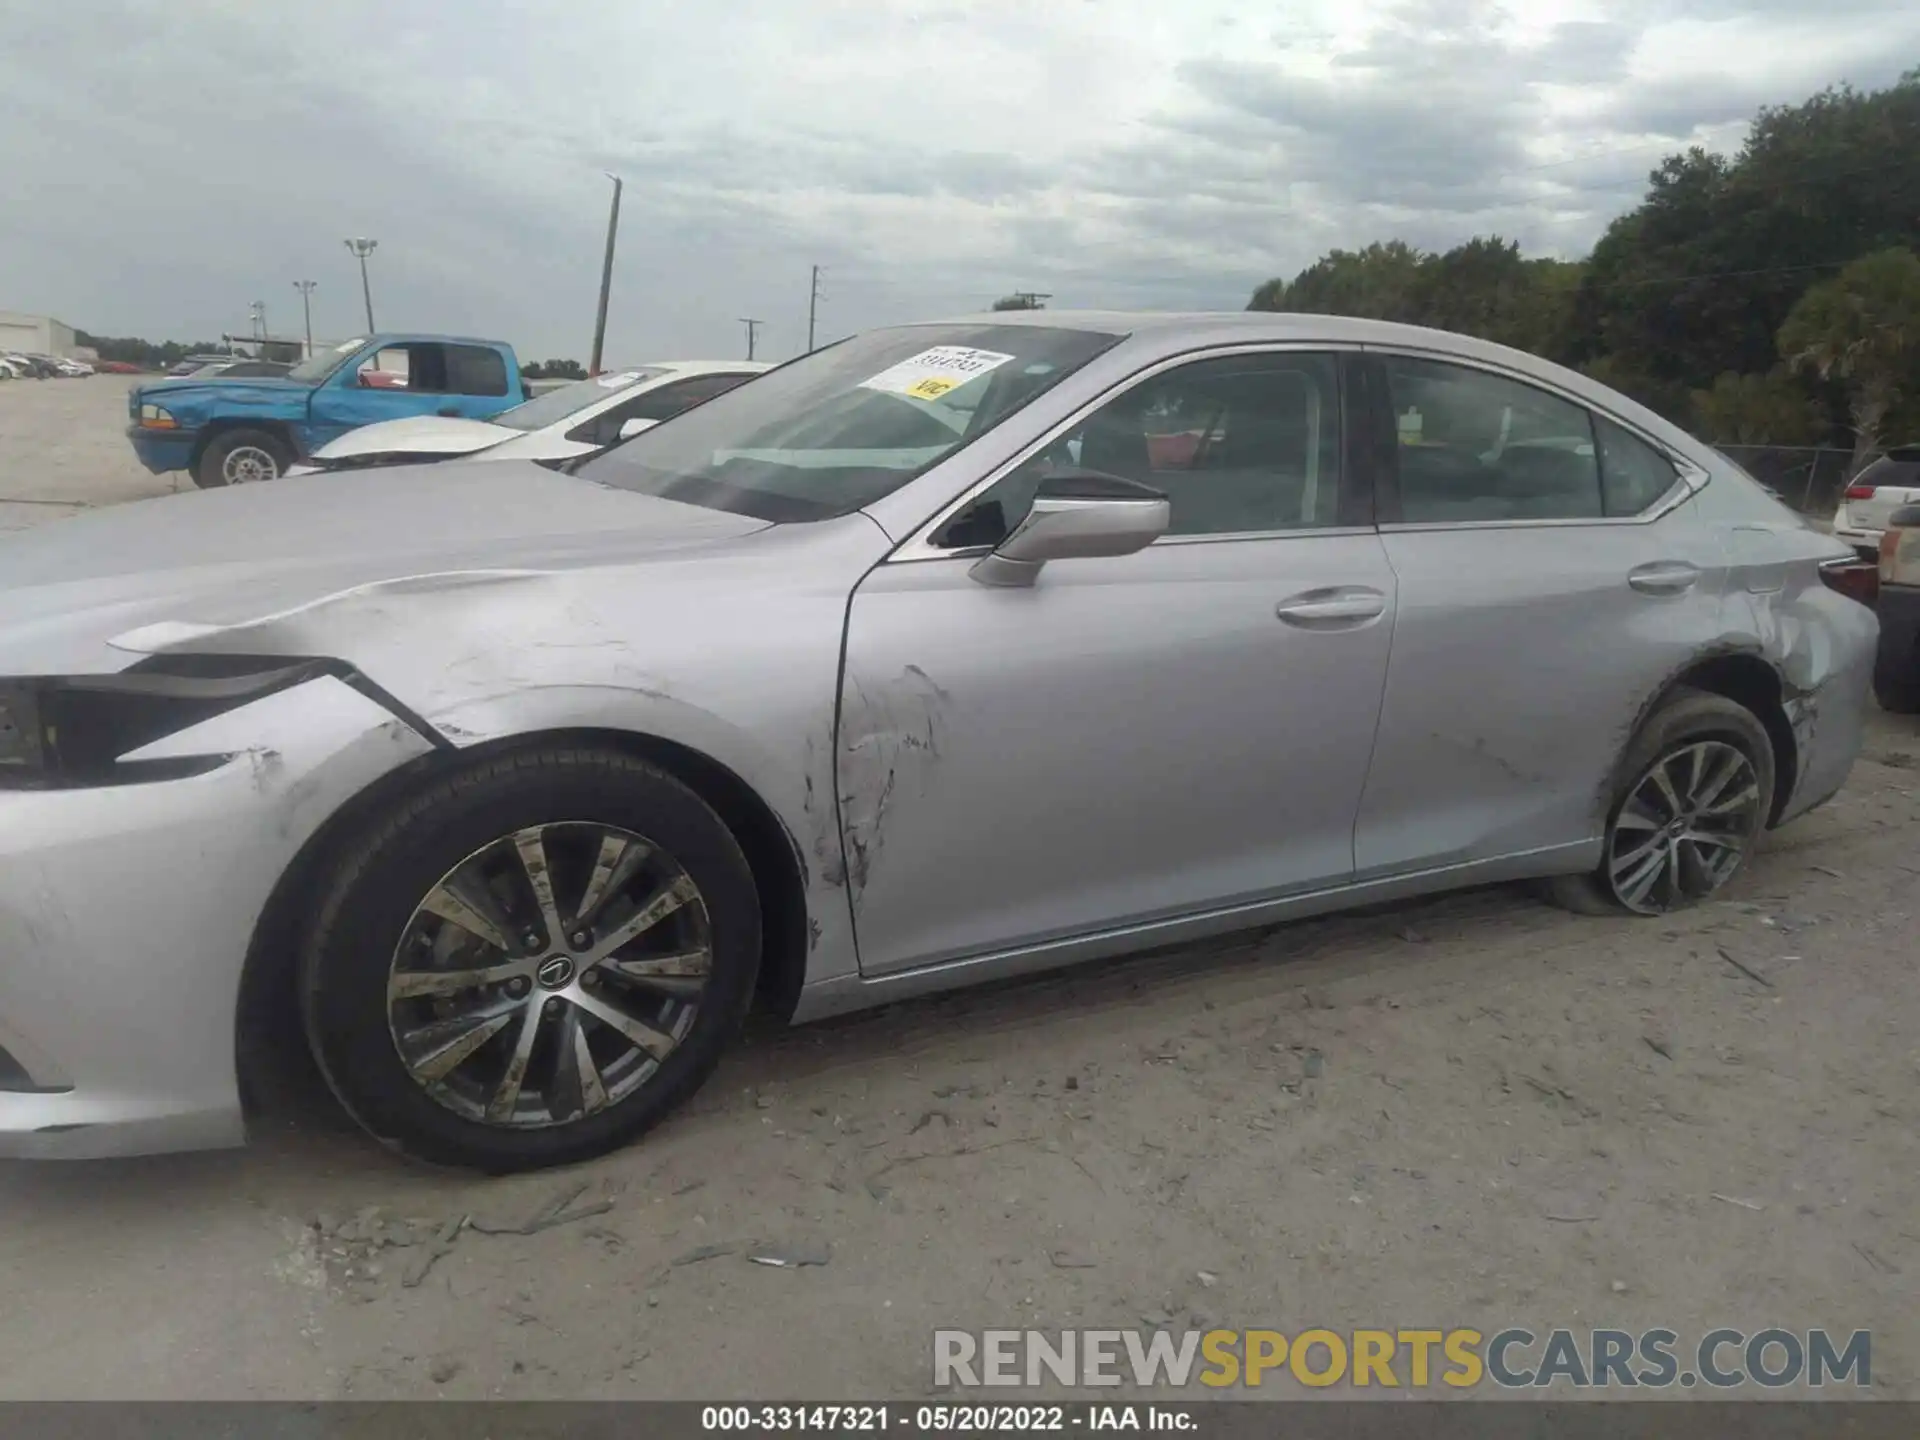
[267,1024]
[227,424]
[1751,681]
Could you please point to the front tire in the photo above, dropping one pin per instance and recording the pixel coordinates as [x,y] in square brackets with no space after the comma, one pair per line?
[1694,793]
[531,961]
[241,457]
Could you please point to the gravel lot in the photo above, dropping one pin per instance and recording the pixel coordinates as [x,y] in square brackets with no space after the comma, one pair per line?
[1476,1111]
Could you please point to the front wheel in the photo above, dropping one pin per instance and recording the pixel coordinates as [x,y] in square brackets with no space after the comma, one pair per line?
[1695,790]
[241,457]
[531,961]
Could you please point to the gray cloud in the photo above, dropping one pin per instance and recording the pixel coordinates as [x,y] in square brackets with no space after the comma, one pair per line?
[171,160]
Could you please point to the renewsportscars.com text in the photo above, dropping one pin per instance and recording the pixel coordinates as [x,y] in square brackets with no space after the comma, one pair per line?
[1512,1358]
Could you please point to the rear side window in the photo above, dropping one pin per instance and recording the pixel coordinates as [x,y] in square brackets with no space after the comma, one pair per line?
[475,370]
[1476,447]
[1633,475]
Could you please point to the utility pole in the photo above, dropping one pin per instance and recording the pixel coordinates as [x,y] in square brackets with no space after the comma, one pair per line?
[606,278]
[813,307]
[753,329]
[305,287]
[363,247]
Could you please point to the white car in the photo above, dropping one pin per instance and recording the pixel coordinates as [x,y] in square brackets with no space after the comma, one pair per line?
[1883,487]
[73,369]
[576,419]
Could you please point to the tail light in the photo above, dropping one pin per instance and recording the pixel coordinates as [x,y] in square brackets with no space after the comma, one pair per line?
[1855,579]
[1860,492]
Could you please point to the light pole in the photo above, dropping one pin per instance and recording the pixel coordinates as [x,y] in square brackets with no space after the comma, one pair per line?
[257,319]
[753,332]
[362,248]
[606,278]
[305,287]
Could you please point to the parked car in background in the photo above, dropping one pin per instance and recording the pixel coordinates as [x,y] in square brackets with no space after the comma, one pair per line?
[1876,492]
[29,366]
[522,784]
[577,419]
[194,362]
[240,369]
[73,369]
[1896,669]
[227,431]
[10,371]
[117,367]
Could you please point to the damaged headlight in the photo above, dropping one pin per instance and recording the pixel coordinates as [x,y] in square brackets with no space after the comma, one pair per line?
[70,731]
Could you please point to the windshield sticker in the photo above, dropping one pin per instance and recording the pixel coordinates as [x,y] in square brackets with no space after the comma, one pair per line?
[932,373]
[619,378]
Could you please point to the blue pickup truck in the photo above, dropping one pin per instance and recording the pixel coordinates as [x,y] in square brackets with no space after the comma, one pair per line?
[228,432]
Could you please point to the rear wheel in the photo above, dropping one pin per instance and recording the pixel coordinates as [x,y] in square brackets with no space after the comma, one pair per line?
[532,961]
[1896,671]
[241,457]
[1695,790]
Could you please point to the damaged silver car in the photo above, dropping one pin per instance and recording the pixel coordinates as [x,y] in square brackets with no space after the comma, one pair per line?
[946,653]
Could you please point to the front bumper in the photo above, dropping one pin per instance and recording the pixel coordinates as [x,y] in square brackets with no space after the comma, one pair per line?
[126,914]
[162,451]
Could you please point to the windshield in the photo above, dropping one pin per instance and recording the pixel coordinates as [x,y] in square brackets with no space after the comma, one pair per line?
[557,405]
[836,430]
[322,363]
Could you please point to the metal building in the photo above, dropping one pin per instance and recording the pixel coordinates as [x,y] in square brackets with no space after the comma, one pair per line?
[35,334]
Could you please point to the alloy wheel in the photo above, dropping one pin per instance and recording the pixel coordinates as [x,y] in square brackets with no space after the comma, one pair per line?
[548,975]
[1685,827]
[247,464]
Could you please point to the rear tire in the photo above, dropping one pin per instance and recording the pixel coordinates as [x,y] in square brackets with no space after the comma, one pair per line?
[1896,674]
[1675,834]
[399,976]
[238,457]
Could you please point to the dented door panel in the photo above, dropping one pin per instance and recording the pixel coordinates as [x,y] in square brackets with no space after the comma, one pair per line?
[1130,738]
[1522,660]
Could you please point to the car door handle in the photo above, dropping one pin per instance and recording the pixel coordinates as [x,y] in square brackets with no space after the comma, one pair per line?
[1340,602]
[1664,577]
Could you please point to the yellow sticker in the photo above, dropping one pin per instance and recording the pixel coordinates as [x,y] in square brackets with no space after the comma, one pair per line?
[932,388]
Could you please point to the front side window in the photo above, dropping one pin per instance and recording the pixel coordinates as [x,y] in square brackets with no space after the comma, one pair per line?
[1239,444]
[839,429]
[1474,446]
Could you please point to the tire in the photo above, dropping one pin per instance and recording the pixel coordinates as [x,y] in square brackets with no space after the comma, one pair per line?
[1896,673]
[510,1104]
[1690,723]
[220,464]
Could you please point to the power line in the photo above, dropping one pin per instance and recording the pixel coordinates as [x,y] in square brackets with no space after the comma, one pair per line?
[753,332]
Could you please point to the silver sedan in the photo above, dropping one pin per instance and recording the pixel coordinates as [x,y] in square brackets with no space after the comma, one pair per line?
[947,653]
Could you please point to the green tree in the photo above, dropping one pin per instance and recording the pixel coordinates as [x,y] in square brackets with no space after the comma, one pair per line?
[1862,328]
[554,370]
[1021,300]
[1377,283]
[1768,409]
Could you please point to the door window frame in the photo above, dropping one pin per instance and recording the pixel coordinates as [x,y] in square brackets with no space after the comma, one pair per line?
[1689,478]
[1358,463]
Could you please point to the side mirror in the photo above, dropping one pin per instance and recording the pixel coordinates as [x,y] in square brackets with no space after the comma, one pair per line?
[1077,516]
[636,426]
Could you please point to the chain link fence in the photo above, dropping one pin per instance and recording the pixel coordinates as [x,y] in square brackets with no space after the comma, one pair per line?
[1810,478]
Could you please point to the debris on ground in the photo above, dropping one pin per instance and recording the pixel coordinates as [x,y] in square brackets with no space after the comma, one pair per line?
[440,1245]
[792,1257]
[705,1252]
[1736,1200]
[553,1212]
[1746,970]
[1072,1260]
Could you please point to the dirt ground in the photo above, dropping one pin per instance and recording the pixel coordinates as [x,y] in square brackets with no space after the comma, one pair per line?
[1475,1111]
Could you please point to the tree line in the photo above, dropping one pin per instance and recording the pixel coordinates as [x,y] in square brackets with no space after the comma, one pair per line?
[1770,297]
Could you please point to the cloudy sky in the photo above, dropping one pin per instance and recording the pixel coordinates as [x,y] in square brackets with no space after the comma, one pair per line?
[166,163]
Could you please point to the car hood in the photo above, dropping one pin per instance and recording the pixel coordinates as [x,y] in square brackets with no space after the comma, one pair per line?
[417,435]
[228,557]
